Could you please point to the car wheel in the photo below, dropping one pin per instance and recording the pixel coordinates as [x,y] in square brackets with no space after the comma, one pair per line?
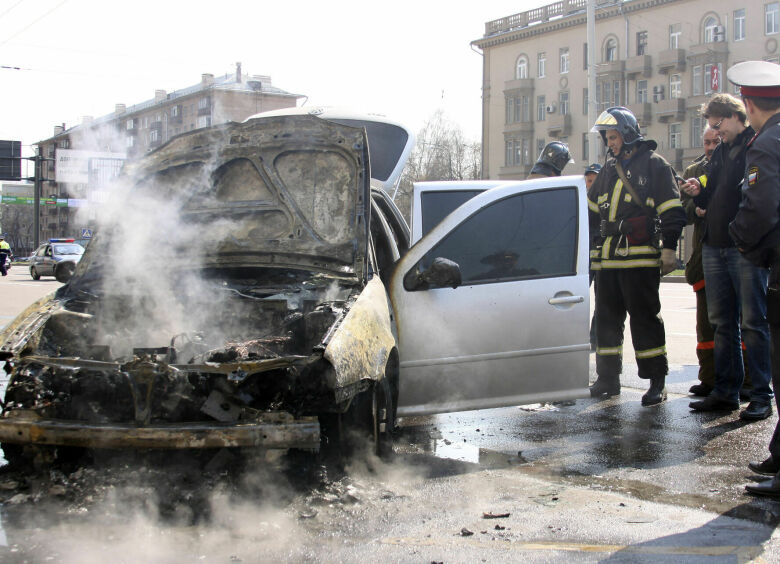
[34,273]
[64,271]
[370,420]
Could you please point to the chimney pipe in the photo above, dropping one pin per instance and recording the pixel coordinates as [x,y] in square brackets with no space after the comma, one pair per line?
[120,109]
[207,79]
[238,72]
[160,95]
[58,129]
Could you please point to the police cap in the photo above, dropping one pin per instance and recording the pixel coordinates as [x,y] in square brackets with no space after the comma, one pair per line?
[758,79]
[595,168]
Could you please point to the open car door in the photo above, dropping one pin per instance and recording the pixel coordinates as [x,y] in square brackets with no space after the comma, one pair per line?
[503,320]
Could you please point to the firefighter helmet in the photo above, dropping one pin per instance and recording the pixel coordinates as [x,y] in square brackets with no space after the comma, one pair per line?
[556,155]
[623,121]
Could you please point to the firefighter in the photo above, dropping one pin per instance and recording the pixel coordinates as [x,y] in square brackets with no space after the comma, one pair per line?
[636,219]
[756,227]
[551,161]
[5,251]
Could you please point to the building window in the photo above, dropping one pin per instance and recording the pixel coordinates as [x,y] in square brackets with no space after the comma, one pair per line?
[564,56]
[541,108]
[130,125]
[610,50]
[175,111]
[522,109]
[641,91]
[510,109]
[674,36]
[641,42]
[539,146]
[697,129]
[675,136]
[712,78]
[616,91]
[526,150]
[204,103]
[739,24]
[541,64]
[675,86]
[508,152]
[154,135]
[585,56]
[584,101]
[130,141]
[522,67]
[563,103]
[585,147]
[204,121]
[771,18]
[696,79]
[710,25]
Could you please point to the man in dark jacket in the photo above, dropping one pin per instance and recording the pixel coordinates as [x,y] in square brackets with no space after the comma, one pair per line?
[551,161]
[756,227]
[636,219]
[736,289]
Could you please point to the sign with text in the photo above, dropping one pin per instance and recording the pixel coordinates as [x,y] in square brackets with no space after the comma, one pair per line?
[74,166]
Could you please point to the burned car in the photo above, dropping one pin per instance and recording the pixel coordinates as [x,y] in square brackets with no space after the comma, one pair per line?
[283,303]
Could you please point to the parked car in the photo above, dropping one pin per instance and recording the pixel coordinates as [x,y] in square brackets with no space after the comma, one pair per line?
[56,257]
[288,304]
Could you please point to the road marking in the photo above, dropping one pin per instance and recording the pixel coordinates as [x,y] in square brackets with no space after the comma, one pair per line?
[750,552]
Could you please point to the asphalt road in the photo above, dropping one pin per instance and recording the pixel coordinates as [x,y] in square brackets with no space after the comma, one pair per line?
[591,481]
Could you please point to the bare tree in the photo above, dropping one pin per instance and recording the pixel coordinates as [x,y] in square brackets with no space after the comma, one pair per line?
[441,153]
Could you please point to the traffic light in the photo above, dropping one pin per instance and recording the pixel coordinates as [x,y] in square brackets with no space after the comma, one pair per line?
[10,160]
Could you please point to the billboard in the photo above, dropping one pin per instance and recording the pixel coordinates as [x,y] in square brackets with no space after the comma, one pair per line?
[75,166]
[10,160]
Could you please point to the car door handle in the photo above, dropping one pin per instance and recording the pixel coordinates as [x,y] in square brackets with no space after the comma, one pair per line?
[566,300]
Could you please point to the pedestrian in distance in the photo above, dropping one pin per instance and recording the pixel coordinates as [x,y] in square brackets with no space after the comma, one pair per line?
[756,226]
[636,218]
[736,288]
[5,252]
[553,158]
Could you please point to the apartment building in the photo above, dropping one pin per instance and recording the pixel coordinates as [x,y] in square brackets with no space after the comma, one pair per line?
[132,131]
[660,58]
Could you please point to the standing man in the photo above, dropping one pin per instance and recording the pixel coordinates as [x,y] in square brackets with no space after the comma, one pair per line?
[756,227]
[590,177]
[637,216]
[551,161]
[736,288]
[5,250]
[694,272]
[591,173]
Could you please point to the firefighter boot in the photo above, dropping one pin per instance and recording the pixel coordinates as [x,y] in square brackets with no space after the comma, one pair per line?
[657,392]
[605,386]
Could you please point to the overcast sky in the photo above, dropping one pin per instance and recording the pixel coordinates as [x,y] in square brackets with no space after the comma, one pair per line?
[81,57]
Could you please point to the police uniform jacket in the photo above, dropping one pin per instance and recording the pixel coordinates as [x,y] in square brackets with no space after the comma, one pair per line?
[756,228]
[653,180]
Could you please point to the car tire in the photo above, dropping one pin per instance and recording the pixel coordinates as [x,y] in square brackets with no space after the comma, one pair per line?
[64,271]
[370,420]
[34,273]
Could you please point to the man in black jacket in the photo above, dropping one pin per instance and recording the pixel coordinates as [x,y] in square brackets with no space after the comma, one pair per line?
[551,161]
[736,288]
[756,227]
[636,219]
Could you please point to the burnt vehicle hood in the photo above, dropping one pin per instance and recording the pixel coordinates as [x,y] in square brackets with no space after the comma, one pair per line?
[278,191]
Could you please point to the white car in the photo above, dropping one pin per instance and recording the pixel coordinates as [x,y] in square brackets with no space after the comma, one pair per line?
[305,309]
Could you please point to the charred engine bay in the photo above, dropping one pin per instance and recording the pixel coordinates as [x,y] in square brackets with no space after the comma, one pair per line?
[256,345]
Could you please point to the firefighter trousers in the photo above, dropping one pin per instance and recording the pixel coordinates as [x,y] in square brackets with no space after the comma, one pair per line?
[632,291]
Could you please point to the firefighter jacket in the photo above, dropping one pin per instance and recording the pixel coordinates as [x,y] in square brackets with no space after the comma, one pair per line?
[756,227]
[694,270]
[721,194]
[612,208]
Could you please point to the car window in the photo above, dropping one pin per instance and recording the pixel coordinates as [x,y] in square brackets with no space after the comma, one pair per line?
[436,205]
[386,143]
[528,235]
[68,249]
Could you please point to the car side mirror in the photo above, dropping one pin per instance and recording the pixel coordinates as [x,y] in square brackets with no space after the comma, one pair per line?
[442,273]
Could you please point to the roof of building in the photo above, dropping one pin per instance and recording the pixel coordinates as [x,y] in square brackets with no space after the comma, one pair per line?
[249,83]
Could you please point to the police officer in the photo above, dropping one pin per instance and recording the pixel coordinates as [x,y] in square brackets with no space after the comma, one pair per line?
[551,161]
[637,216]
[756,227]
[591,173]
[5,250]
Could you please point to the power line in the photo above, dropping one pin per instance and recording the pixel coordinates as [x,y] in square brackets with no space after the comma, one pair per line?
[32,23]
[11,8]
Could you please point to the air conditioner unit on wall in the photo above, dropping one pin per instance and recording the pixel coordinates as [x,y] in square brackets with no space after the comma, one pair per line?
[551,109]
[719,33]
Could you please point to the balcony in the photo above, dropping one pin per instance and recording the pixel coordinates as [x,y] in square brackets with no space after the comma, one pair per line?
[720,48]
[671,60]
[156,125]
[639,65]
[520,126]
[672,109]
[524,85]
[514,172]
[558,125]
[611,69]
[643,112]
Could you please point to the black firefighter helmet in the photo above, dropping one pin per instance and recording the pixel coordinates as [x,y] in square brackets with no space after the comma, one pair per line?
[555,155]
[623,121]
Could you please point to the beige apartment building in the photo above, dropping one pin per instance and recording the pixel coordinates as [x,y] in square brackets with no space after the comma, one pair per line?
[131,131]
[660,58]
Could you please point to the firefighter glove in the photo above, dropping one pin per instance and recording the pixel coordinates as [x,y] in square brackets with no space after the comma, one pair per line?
[668,261]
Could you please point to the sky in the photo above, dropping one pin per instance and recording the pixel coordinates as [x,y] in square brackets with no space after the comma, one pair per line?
[406,59]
